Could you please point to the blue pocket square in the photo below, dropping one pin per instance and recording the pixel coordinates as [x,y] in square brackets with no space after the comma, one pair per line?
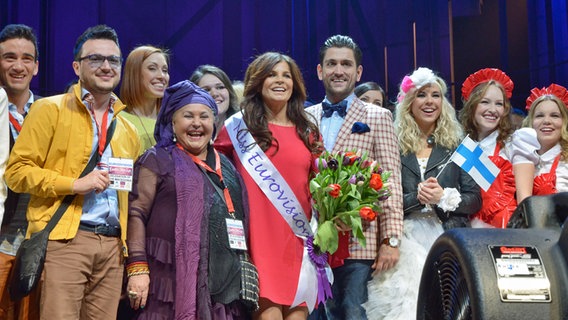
[360,127]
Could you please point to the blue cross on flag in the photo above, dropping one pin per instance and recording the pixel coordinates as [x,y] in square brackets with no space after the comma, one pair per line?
[470,157]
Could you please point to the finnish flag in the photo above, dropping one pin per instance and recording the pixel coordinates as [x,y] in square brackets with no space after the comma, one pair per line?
[471,158]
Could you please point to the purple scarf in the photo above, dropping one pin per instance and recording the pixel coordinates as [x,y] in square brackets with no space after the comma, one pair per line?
[192,299]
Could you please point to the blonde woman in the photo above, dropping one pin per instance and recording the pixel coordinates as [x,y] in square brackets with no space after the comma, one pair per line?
[438,195]
[540,166]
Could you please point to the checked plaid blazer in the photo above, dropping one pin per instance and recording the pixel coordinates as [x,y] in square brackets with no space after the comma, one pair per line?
[381,144]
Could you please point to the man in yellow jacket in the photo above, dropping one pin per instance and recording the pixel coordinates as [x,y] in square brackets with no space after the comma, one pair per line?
[83,268]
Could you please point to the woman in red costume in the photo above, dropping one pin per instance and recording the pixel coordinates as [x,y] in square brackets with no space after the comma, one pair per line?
[486,118]
[549,119]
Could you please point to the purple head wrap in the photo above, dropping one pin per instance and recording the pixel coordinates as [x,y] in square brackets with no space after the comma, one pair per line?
[177,96]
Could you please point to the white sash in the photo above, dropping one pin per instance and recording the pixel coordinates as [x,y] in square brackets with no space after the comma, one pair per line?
[274,186]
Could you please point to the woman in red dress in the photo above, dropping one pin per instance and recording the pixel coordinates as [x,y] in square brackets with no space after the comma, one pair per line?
[273,113]
[486,119]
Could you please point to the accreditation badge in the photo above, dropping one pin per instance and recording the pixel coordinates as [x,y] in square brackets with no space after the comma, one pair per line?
[120,171]
[236,234]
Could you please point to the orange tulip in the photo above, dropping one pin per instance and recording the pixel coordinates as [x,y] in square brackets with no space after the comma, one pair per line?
[335,189]
[376,181]
[367,213]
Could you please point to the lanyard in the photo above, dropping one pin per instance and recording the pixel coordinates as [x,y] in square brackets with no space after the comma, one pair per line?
[102,129]
[15,123]
[218,172]
[102,132]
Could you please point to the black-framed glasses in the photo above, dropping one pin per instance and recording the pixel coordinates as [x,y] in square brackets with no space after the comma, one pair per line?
[97,60]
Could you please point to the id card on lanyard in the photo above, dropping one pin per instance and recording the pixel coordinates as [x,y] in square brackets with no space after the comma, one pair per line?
[314,271]
[120,172]
[236,233]
[235,229]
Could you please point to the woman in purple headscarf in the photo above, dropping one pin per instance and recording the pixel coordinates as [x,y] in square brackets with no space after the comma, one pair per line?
[180,263]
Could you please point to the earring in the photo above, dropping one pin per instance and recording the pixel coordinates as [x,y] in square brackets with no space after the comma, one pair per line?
[175,139]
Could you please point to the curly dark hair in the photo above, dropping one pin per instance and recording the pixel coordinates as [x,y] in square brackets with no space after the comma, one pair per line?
[254,111]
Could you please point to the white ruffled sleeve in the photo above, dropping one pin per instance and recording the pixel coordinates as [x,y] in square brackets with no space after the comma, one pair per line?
[524,146]
[562,177]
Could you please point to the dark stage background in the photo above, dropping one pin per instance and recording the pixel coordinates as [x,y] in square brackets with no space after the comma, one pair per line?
[528,39]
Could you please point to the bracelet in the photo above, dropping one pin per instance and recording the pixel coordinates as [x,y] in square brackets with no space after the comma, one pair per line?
[137,268]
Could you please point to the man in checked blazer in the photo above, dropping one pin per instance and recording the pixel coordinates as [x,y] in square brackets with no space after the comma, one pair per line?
[346,124]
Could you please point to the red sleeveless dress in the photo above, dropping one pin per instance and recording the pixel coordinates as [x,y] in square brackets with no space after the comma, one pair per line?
[545,183]
[499,200]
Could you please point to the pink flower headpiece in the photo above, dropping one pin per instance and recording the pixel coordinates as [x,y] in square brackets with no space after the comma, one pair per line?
[419,78]
[486,75]
[554,89]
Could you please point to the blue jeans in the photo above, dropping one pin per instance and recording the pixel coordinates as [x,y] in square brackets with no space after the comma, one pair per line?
[349,290]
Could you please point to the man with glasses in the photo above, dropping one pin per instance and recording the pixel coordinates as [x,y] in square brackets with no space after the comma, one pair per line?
[83,269]
[18,65]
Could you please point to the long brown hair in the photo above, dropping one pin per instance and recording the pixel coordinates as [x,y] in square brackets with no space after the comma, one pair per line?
[467,114]
[255,111]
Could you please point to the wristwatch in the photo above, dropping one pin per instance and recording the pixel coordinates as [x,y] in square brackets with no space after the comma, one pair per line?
[392,242]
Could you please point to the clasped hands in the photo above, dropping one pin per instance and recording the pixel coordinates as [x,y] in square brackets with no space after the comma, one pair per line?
[429,191]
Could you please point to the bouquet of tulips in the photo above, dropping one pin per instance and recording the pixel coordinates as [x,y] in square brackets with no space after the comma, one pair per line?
[346,191]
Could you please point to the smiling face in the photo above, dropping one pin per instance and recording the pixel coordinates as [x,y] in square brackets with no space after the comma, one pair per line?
[155,75]
[426,107]
[102,79]
[373,96]
[217,90]
[339,73]
[548,122]
[277,87]
[489,111]
[18,65]
[193,128]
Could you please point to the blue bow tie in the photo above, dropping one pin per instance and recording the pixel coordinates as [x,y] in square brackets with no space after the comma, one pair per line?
[340,107]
